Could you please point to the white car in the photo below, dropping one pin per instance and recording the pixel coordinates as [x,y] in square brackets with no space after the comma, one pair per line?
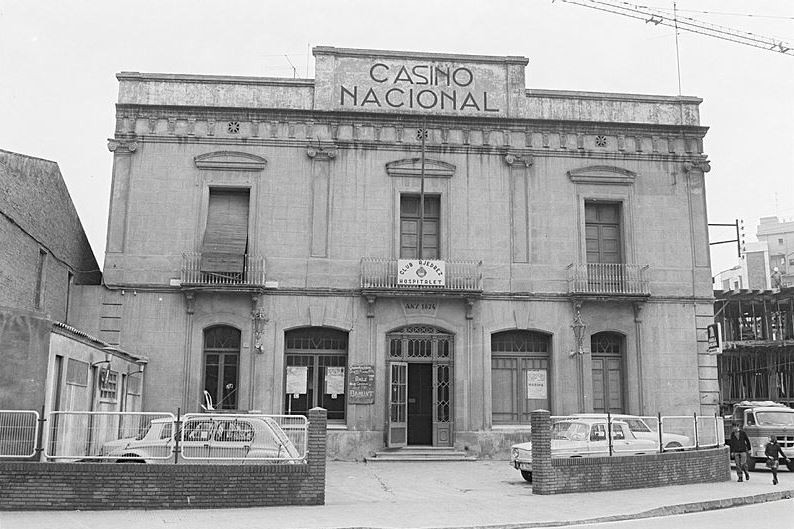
[204,439]
[582,437]
[639,427]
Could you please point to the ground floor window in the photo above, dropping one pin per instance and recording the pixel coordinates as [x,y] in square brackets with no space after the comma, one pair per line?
[519,375]
[607,360]
[221,366]
[316,371]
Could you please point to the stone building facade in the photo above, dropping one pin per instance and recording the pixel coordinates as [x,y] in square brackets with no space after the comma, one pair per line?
[414,241]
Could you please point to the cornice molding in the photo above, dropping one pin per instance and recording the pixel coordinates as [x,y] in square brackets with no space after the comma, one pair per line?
[602,174]
[516,159]
[230,161]
[413,167]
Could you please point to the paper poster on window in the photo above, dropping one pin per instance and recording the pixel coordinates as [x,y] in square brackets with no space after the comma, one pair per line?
[536,384]
[296,379]
[334,380]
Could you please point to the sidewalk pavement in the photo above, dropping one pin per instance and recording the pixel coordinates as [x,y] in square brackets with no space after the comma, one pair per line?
[471,494]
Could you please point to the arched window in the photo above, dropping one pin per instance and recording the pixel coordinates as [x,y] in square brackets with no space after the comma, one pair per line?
[519,375]
[316,371]
[608,374]
[222,365]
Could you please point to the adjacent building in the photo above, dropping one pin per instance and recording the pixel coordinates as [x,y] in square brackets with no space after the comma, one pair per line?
[45,259]
[414,241]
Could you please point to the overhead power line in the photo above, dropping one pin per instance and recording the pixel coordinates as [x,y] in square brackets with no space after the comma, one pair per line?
[662,18]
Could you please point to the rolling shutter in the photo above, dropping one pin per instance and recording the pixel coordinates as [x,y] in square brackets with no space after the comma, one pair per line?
[226,236]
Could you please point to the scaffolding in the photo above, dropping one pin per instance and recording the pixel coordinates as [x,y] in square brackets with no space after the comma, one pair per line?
[757,362]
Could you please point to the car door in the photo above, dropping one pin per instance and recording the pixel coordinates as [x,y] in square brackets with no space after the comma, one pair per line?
[231,439]
[598,439]
[195,438]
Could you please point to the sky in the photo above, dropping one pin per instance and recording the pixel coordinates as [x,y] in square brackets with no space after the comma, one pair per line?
[58,60]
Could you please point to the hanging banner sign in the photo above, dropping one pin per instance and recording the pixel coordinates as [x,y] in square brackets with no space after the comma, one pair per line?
[334,380]
[421,272]
[296,379]
[536,384]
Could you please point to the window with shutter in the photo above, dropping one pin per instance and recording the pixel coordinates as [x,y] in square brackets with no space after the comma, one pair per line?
[409,227]
[226,236]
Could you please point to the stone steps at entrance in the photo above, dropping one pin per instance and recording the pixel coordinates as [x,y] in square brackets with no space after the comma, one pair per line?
[419,453]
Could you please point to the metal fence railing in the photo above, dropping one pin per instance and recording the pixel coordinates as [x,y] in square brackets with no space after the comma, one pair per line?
[163,437]
[613,434]
[76,435]
[18,433]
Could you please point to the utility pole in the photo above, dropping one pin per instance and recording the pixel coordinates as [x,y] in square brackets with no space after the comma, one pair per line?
[422,134]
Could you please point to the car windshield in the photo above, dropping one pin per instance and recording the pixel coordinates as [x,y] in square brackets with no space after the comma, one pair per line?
[775,418]
[144,432]
[560,429]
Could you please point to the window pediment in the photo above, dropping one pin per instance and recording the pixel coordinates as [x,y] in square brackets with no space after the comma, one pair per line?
[230,161]
[602,174]
[413,167]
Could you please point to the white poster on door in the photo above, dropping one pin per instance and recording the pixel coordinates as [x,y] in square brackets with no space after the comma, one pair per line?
[296,379]
[334,380]
[536,384]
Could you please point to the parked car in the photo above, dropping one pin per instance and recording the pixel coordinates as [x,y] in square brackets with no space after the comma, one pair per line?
[639,427]
[206,439]
[582,437]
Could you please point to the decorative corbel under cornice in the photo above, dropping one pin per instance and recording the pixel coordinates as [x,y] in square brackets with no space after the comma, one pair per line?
[122,146]
[321,152]
[512,158]
[703,166]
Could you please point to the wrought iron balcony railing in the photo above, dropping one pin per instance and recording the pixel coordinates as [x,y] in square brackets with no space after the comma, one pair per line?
[381,274]
[608,279]
[251,270]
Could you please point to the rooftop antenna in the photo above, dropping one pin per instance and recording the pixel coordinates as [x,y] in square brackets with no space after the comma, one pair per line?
[294,70]
[677,56]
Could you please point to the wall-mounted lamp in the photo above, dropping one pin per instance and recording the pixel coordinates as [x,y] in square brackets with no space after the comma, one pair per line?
[579,328]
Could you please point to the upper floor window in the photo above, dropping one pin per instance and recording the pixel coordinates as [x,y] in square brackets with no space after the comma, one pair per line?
[602,232]
[226,235]
[410,240]
[38,295]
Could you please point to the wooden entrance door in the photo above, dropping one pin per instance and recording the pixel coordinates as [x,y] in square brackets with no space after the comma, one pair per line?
[420,403]
[398,404]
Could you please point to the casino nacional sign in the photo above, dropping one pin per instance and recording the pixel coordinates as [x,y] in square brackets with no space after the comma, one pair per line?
[383,81]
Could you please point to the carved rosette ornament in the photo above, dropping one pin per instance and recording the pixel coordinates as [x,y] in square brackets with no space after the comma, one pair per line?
[122,146]
[512,159]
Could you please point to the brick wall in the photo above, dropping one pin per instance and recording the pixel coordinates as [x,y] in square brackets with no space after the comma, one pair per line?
[591,474]
[107,486]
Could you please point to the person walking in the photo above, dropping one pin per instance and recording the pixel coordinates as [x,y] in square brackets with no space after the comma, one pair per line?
[773,454]
[739,444]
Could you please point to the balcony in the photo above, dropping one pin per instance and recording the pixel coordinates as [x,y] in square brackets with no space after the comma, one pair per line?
[251,270]
[608,280]
[380,274]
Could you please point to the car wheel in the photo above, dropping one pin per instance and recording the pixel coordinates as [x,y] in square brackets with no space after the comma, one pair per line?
[750,464]
[790,465]
[673,445]
[527,475]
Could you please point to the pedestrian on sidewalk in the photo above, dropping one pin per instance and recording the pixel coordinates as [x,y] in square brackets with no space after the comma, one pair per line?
[773,454]
[739,444]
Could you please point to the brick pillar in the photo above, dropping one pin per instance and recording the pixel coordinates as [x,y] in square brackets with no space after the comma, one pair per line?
[542,473]
[318,421]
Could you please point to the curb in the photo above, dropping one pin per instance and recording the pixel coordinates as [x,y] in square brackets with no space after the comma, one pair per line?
[669,510]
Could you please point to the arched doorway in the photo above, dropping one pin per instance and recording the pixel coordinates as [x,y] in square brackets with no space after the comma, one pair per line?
[420,386]
[222,365]
[608,372]
[519,375]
